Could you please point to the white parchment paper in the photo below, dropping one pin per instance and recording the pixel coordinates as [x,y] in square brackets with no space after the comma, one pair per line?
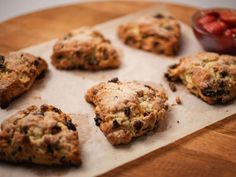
[66,90]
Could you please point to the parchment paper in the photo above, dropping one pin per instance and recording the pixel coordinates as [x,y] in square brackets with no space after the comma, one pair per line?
[66,90]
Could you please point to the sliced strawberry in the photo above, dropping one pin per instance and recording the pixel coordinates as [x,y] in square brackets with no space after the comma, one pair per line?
[228,33]
[233,30]
[206,19]
[217,27]
[213,13]
[228,17]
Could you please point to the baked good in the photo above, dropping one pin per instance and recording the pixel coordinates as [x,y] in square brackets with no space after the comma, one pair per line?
[18,71]
[159,34]
[41,135]
[84,48]
[210,76]
[125,110]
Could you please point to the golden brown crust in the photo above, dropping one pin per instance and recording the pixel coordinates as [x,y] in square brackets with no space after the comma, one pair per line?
[160,34]
[42,135]
[126,110]
[210,76]
[18,71]
[84,48]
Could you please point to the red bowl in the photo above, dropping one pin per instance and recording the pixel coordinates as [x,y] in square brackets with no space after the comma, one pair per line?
[213,42]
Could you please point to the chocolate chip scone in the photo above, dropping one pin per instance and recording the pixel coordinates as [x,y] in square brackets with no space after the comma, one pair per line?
[42,135]
[18,71]
[210,76]
[84,48]
[125,110]
[159,34]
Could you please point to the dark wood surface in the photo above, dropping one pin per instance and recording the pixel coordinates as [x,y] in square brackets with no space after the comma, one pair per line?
[210,152]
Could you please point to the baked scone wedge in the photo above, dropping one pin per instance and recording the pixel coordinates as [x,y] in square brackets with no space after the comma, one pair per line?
[210,76]
[84,48]
[41,135]
[18,72]
[159,34]
[125,110]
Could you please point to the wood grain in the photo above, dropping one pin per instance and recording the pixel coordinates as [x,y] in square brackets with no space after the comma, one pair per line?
[208,152]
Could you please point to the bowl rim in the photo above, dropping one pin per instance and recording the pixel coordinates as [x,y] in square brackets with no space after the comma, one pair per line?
[199,12]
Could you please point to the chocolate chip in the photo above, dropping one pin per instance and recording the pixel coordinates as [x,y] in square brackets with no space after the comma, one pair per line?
[56,129]
[25,130]
[91,59]
[59,57]
[50,148]
[178,100]
[98,121]
[2,59]
[168,28]
[127,111]
[156,44]
[208,92]
[130,40]
[159,16]
[114,80]
[115,124]
[70,125]
[148,86]
[173,66]
[2,66]
[63,160]
[172,86]
[223,74]
[168,77]
[42,74]
[36,62]
[56,110]
[138,125]
[140,93]
[17,150]
[222,90]
[43,108]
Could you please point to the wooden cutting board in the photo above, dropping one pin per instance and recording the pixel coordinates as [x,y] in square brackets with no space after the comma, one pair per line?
[209,152]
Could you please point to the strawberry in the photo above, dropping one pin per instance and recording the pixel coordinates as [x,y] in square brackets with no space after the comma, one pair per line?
[217,27]
[206,19]
[228,17]
[233,30]
[230,32]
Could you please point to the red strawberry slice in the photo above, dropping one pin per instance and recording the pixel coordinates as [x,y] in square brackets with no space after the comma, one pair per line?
[230,32]
[233,30]
[206,19]
[228,17]
[217,27]
[213,13]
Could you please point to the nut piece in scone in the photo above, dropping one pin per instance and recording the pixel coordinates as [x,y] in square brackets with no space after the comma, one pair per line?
[210,76]
[159,34]
[125,110]
[18,71]
[41,135]
[84,48]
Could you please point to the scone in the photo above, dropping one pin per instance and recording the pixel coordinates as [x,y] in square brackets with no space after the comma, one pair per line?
[159,34]
[84,48]
[125,110]
[18,71]
[210,76]
[42,135]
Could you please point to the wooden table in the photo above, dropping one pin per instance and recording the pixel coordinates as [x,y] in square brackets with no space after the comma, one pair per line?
[208,152]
